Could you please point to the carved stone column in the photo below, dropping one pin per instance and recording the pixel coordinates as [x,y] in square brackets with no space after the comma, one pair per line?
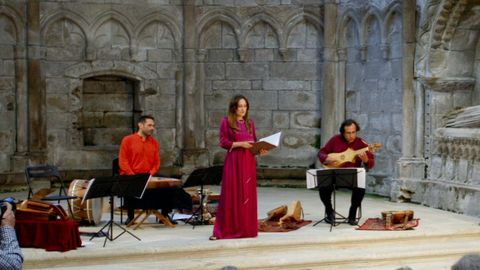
[194,152]
[410,166]
[36,85]
[333,108]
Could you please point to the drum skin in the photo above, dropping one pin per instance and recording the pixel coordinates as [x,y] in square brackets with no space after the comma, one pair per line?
[91,210]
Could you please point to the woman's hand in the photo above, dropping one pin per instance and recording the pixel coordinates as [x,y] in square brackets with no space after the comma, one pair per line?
[245,145]
[263,152]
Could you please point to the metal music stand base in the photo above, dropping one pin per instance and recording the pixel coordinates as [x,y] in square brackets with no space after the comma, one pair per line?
[337,217]
[109,233]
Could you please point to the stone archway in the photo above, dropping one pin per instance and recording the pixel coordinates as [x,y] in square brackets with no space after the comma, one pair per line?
[109,111]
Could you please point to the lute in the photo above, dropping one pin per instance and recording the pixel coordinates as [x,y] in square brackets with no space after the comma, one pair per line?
[349,155]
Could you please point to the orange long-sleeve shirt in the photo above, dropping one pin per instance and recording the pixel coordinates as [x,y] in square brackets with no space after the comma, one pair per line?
[138,156]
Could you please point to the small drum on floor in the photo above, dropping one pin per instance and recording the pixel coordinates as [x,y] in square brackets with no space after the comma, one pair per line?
[90,211]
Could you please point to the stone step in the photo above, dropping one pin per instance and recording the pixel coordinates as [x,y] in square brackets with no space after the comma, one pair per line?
[421,251]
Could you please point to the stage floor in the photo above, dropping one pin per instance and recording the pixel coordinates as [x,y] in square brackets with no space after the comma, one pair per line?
[441,238]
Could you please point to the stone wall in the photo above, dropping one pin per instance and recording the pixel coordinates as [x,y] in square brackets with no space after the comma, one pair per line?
[370,55]
[74,82]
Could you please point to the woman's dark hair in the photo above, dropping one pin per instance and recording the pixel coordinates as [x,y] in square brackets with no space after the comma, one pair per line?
[232,116]
[348,122]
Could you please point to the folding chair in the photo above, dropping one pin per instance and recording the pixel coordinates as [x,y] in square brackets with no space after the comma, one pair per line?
[42,172]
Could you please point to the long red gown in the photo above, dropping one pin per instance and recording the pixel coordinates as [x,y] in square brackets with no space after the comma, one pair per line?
[237,209]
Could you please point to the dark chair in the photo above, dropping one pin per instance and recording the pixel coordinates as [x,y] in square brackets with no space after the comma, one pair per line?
[50,173]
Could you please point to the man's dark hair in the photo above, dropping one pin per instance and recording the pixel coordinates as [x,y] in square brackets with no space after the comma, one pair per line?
[144,118]
[348,122]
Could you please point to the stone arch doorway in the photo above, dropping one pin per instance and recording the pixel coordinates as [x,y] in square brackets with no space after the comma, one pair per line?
[109,111]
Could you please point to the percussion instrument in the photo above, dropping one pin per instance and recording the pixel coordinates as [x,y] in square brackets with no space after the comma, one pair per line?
[397,217]
[91,210]
[294,213]
[163,182]
[39,210]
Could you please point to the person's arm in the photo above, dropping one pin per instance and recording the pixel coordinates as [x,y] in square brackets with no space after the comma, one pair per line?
[325,150]
[156,161]
[123,157]
[10,253]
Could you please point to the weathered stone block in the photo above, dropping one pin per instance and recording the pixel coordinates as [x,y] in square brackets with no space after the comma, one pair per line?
[215,71]
[232,84]
[262,119]
[305,119]
[161,102]
[296,71]
[213,138]
[281,119]
[221,55]
[8,68]
[245,71]
[159,55]
[57,85]
[57,120]
[214,118]
[263,55]
[55,69]
[4,162]
[57,103]
[379,122]
[308,55]
[7,83]
[117,102]
[298,100]
[7,52]
[284,85]
[165,119]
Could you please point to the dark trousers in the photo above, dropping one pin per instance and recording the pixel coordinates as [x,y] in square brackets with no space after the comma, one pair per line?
[165,199]
[356,200]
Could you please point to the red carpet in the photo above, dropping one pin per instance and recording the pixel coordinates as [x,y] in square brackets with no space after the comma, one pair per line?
[272,226]
[377,224]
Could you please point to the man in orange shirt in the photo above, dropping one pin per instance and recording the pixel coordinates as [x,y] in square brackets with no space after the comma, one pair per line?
[139,154]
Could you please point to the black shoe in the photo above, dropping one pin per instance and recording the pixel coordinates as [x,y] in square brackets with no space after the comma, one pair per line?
[128,221]
[329,218]
[352,221]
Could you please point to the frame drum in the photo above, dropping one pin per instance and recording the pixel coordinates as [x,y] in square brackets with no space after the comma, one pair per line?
[91,210]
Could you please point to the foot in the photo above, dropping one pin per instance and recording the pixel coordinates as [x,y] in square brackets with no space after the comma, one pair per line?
[352,221]
[128,221]
[329,218]
[212,238]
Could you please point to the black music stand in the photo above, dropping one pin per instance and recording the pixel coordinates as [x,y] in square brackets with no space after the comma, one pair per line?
[201,177]
[336,178]
[126,185]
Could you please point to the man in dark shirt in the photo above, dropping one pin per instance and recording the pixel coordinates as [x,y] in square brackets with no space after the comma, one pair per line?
[338,144]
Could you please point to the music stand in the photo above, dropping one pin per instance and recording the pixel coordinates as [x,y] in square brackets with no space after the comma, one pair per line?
[336,178]
[125,185]
[201,177]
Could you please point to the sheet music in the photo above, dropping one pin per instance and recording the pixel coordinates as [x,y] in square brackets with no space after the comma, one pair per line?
[90,183]
[144,188]
[312,177]
[266,143]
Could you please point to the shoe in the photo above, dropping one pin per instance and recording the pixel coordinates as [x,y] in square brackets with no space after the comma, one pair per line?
[128,220]
[352,221]
[212,238]
[329,218]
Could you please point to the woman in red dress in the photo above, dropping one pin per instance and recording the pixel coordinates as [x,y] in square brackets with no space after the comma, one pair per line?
[236,215]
